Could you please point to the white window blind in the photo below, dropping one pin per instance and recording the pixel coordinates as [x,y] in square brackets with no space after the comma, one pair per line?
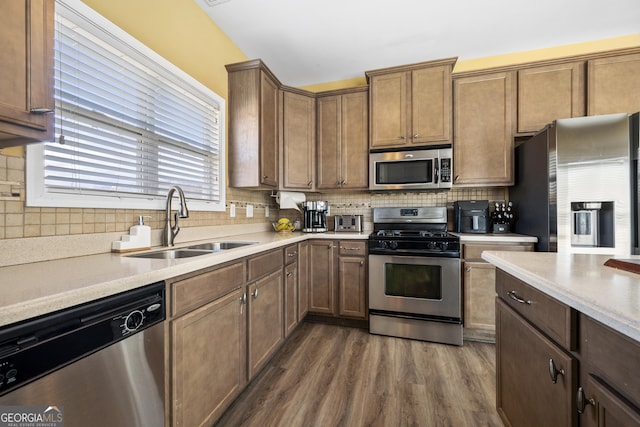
[129,125]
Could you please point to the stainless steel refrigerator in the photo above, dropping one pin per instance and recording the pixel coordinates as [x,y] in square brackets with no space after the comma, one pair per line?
[576,186]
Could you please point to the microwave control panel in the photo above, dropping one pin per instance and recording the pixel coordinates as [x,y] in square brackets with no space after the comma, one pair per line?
[445,170]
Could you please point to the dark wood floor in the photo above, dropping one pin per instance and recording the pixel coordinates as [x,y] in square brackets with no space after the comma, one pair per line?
[329,376]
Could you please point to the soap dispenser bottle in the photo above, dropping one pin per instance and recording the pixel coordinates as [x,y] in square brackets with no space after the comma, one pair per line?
[139,238]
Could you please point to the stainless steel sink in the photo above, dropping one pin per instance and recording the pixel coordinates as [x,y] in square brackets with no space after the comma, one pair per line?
[172,254]
[219,246]
[191,251]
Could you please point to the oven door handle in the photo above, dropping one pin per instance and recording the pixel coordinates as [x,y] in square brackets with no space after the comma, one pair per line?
[436,171]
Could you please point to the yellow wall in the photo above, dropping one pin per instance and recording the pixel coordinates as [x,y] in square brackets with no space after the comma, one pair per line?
[181,32]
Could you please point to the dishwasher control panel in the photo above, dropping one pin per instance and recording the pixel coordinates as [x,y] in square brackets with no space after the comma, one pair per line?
[34,348]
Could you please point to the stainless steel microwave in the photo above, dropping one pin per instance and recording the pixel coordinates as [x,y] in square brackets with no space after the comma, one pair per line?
[419,169]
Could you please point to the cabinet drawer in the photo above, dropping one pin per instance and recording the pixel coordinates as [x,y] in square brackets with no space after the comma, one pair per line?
[290,254]
[474,250]
[552,317]
[264,264]
[195,291]
[611,356]
[350,247]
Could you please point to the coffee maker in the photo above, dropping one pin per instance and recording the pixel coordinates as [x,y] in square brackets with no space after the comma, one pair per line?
[315,216]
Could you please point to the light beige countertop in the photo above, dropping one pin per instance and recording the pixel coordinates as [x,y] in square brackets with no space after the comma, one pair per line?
[581,281]
[37,288]
[495,238]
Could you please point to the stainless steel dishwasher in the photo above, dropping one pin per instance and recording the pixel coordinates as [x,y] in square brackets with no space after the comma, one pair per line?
[100,364]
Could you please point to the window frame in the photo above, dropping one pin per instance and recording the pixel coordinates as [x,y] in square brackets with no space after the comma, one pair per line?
[36,192]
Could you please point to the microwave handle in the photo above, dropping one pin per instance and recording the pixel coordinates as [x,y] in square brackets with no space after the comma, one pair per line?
[436,171]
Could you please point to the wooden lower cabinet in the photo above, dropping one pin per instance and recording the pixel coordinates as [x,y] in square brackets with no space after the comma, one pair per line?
[609,392]
[322,276]
[479,300]
[478,284]
[353,287]
[526,393]
[338,278]
[208,352]
[537,335]
[266,326]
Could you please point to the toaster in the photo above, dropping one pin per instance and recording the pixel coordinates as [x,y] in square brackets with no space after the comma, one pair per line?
[351,223]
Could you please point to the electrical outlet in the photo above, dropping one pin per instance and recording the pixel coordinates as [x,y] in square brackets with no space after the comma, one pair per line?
[232,210]
[266,211]
[249,211]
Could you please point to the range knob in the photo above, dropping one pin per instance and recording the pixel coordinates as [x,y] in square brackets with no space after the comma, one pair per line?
[444,246]
[382,244]
[393,244]
[431,245]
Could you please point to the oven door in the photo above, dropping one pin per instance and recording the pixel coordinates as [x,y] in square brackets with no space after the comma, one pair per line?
[415,285]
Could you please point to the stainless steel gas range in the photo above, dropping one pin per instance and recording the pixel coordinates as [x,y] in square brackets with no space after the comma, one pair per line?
[414,275]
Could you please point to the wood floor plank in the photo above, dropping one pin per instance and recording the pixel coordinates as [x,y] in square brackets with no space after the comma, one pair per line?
[329,376]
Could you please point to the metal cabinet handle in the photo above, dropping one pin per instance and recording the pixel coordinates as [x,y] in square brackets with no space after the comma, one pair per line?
[514,296]
[456,178]
[417,135]
[361,263]
[309,184]
[254,294]
[265,176]
[468,269]
[292,254]
[402,137]
[343,182]
[289,274]
[349,249]
[582,400]
[243,301]
[41,110]
[331,247]
[554,372]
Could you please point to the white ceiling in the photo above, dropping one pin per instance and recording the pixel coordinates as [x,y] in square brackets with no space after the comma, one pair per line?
[309,41]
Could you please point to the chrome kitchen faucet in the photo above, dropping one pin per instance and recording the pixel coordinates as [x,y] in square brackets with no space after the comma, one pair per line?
[170,233]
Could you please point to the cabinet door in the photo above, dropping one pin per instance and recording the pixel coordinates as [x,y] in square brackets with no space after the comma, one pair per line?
[329,141]
[606,408]
[354,148]
[388,114]
[484,118]
[268,131]
[479,299]
[526,395]
[431,105]
[303,280]
[290,298]
[208,367]
[266,326]
[26,75]
[549,93]
[298,141]
[321,279]
[613,85]
[352,285]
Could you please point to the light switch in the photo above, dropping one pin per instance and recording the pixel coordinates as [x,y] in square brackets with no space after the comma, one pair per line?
[249,211]
[232,210]
[266,211]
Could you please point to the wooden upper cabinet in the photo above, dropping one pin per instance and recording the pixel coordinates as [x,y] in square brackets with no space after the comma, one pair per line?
[613,85]
[298,140]
[26,76]
[343,140]
[549,93]
[484,125]
[253,125]
[411,105]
